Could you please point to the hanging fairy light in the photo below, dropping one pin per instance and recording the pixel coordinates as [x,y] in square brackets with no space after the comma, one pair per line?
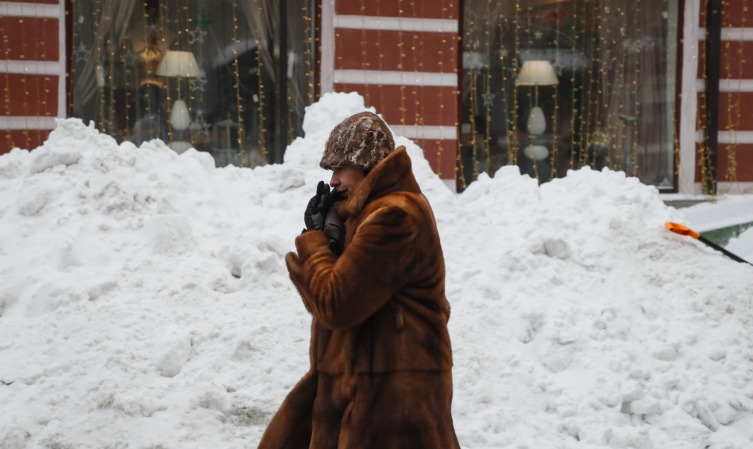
[6,89]
[636,99]
[364,57]
[553,159]
[164,11]
[573,112]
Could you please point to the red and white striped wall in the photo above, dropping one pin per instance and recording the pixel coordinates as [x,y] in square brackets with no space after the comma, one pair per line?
[402,57]
[32,71]
[735,98]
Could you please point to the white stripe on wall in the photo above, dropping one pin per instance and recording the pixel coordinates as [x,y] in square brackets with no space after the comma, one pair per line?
[31,67]
[727,85]
[62,85]
[327,65]
[688,112]
[18,9]
[16,122]
[396,78]
[396,23]
[425,132]
[730,34]
[729,136]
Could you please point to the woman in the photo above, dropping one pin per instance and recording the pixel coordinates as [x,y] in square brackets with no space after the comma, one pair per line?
[381,362]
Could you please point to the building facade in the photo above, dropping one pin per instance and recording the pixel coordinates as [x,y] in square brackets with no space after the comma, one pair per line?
[654,88]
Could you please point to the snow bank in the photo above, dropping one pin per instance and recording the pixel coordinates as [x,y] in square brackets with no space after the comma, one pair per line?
[144,301]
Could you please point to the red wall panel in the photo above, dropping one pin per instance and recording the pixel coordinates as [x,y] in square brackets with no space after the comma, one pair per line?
[21,138]
[31,38]
[743,156]
[735,54]
[424,105]
[30,95]
[436,9]
[441,156]
[422,51]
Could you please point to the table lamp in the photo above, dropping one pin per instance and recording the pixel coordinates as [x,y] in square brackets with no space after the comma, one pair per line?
[536,73]
[179,64]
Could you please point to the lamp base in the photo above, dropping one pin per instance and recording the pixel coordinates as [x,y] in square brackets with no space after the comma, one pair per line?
[536,122]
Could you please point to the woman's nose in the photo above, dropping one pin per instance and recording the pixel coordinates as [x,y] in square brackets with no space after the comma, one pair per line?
[335,181]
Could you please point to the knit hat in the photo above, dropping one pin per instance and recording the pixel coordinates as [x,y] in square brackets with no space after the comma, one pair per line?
[361,140]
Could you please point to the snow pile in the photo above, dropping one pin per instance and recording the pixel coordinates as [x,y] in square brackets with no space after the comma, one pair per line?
[144,301]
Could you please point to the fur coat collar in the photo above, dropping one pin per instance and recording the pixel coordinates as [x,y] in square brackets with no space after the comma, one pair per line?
[393,174]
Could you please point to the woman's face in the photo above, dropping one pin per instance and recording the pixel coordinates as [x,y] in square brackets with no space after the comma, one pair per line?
[346,178]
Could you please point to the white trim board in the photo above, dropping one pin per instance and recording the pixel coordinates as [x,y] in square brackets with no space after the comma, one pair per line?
[727,85]
[18,9]
[327,65]
[396,78]
[396,24]
[62,51]
[686,170]
[31,67]
[739,137]
[30,123]
[425,132]
[729,34]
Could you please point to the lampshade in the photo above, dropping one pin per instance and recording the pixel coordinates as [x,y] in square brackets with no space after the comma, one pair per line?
[536,73]
[179,63]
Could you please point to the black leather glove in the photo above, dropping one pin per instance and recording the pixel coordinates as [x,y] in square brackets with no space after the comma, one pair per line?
[334,229]
[319,205]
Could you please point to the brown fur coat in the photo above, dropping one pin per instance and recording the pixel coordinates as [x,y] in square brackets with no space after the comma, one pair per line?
[380,352]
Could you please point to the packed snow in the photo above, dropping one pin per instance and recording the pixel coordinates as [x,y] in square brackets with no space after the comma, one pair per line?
[144,302]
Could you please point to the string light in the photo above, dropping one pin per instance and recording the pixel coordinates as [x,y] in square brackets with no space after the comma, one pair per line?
[637,104]
[597,80]
[46,78]
[111,53]
[164,10]
[513,155]
[731,175]
[26,88]
[308,53]
[509,137]
[738,115]
[401,56]
[473,95]
[380,59]
[700,119]
[259,65]
[440,58]
[574,89]
[6,46]
[487,88]
[553,159]
[417,103]
[364,58]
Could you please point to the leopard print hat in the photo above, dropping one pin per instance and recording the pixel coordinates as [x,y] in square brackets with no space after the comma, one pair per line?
[361,140]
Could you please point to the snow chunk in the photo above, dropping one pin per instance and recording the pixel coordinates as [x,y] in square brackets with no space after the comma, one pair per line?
[172,352]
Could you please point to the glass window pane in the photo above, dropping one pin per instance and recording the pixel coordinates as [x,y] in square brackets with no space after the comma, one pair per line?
[193,73]
[553,85]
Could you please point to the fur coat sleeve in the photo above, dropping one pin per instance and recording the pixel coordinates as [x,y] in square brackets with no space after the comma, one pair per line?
[343,292]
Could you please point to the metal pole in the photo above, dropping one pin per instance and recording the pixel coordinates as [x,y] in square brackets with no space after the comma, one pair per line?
[713,64]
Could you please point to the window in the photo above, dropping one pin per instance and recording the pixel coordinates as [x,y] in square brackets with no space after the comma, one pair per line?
[193,73]
[553,85]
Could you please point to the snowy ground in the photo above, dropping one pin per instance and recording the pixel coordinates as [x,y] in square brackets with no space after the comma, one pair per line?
[144,303]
